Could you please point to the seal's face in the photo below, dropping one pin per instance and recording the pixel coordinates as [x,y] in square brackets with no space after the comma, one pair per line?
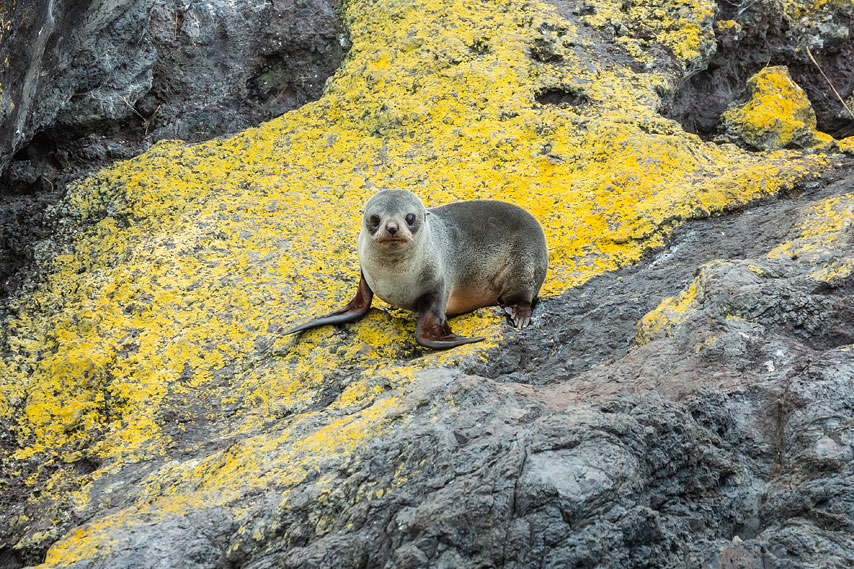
[394,218]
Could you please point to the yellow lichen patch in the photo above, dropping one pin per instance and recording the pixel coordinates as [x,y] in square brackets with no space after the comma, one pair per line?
[668,314]
[728,26]
[158,324]
[778,114]
[816,10]
[825,230]
[358,393]
[834,271]
[684,27]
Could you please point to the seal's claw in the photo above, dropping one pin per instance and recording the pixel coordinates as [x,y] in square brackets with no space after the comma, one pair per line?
[520,314]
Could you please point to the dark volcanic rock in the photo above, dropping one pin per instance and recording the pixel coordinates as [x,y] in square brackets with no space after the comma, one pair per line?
[514,481]
[101,81]
[84,84]
[754,35]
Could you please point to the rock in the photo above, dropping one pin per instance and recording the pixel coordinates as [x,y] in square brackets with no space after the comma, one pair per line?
[84,86]
[814,43]
[137,71]
[777,115]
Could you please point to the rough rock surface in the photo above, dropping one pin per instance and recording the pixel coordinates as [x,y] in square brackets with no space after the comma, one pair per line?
[84,84]
[98,82]
[777,115]
[814,41]
[683,397]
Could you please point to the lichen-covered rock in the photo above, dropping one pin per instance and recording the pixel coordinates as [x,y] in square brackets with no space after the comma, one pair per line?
[657,33]
[814,40]
[777,115]
[152,412]
[83,85]
[805,286]
[726,440]
[89,84]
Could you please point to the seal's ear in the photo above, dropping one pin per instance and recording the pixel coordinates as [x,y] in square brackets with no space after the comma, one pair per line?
[354,310]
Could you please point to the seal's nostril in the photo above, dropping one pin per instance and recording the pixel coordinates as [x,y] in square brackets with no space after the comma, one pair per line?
[391,228]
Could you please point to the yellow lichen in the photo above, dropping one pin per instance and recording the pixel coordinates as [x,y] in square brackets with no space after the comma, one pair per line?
[684,26]
[826,227]
[813,9]
[728,25]
[778,114]
[668,314]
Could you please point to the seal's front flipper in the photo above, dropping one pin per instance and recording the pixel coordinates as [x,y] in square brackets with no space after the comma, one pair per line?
[354,310]
[433,332]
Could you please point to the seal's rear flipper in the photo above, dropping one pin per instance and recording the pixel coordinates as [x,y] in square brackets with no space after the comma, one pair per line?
[433,332]
[520,314]
[354,310]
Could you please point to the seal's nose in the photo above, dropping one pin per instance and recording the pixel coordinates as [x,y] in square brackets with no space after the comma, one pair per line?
[391,228]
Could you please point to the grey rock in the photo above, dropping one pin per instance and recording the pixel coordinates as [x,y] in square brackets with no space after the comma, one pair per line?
[88,83]
[142,70]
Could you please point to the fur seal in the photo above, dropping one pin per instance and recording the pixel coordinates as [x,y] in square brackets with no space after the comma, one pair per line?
[445,260]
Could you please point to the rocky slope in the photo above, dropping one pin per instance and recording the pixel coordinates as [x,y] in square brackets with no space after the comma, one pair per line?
[683,397]
[85,84]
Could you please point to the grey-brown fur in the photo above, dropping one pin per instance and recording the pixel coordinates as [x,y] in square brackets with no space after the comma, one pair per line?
[490,250]
[446,260]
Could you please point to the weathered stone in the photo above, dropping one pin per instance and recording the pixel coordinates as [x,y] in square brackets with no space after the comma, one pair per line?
[777,115]
[83,85]
[138,71]
[814,42]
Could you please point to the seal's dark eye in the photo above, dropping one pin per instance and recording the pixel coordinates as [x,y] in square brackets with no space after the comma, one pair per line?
[410,218]
[374,219]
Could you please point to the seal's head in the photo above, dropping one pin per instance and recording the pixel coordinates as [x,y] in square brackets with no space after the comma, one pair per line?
[394,219]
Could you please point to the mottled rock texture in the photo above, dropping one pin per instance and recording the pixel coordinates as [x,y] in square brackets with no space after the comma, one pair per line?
[814,40]
[683,397]
[83,84]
